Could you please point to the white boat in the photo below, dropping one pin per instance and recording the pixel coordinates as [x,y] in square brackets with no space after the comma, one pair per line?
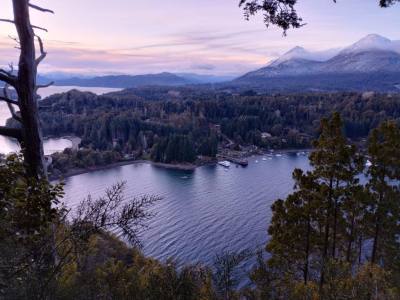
[224,163]
[278,155]
[264,158]
[368,163]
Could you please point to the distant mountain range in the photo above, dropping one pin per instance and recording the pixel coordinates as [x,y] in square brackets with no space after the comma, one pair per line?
[125,81]
[132,81]
[372,63]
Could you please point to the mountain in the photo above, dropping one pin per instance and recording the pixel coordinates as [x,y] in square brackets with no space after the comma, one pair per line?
[301,53]
[125,81]
[202,78]
[371,63]
[373,42]
[131,81]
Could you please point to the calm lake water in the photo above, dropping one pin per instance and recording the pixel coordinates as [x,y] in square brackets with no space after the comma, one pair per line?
[202,212]
[50,145]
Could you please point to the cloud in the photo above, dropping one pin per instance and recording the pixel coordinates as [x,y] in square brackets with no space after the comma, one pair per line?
[203,52]
[207,67]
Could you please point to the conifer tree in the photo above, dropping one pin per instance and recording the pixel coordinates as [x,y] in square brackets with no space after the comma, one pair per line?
[383,188]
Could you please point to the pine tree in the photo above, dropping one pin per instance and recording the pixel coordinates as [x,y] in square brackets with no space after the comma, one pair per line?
[384,206]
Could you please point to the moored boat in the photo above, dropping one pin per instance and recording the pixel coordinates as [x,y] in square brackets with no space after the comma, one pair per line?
[224,163]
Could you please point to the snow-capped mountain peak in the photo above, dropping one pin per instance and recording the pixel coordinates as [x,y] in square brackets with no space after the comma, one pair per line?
[372,42]
[295,53]
[371,63]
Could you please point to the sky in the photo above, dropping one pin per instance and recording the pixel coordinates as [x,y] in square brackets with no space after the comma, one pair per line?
[97,37]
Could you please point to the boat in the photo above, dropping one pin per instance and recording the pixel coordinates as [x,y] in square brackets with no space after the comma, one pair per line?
[264,158]
[224,163]
[368,163]
[278,155]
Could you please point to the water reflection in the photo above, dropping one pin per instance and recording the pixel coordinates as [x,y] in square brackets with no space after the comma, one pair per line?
[204,211]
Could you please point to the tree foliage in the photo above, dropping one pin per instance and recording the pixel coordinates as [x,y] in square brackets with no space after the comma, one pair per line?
[142,122]
[282,13]
[327,238]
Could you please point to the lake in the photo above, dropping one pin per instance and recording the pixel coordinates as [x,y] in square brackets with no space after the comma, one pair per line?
[204,211]
[51,145]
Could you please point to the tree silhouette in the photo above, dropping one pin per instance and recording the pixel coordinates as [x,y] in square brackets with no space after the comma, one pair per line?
[23,81]
[282,13]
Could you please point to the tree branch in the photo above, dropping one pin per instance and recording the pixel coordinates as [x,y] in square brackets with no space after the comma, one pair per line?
[41,86]
[15,40]
[10,104]
[8,73]
[13,113]
[7,78]
[9,101]
[7,21]
[42,52]
[40,28]
[40,8]
[11,132]
[13,22]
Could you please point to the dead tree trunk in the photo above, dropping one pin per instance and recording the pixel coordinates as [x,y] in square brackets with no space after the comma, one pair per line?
[24,83]
[26,89]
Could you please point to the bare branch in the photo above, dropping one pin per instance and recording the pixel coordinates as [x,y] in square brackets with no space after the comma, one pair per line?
[13,113]
[11,132]
[40,28]
[40,8]
[11,65]
[16,41]
[112,212]
[10,104]
[7,78]
[13,22]
[42,52]
[41,86]
[7,100]
[8,73]
[7,21]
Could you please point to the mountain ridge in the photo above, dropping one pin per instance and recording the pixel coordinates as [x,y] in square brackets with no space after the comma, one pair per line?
[373,57]
[125,81]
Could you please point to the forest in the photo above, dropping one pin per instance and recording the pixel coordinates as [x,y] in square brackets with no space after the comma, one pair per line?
[341,220]
[178,125]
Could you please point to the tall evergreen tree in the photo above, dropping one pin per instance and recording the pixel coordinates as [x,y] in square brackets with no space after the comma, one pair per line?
[383,188]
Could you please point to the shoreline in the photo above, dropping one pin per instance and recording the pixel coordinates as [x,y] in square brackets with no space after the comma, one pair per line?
[74,172]
[179,167]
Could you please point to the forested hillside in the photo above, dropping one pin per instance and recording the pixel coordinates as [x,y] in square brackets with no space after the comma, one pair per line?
[158,121]
[335,236]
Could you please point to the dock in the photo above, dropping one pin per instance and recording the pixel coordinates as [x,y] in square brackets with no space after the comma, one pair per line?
[239,161]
